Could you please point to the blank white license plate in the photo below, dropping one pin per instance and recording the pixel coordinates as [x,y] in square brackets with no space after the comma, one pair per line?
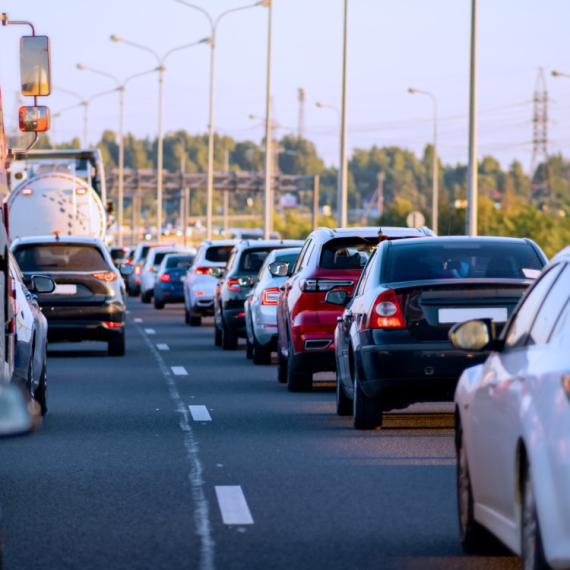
[497,314]
[65,290]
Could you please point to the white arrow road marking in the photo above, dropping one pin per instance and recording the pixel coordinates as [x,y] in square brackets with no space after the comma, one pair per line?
[162,347]
[200,414]
[138,320]
[149,331]
[233,505]
[179,370]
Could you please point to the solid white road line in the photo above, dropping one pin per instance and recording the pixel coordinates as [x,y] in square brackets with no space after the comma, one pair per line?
[200,414]
[233,505]
[179,371]
[162,347]
[137,320]
[149,331]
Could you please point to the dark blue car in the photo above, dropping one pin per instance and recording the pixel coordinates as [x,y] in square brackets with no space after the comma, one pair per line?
[169,284]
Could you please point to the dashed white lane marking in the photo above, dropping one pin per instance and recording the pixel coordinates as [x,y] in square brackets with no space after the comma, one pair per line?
[128,312]
[179,371]
[233,505]
[202,507]
[162,347]
[138,320]
[149,331]
[200,414]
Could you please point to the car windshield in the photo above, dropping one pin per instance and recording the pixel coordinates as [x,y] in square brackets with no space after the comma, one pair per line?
[173,260]
[60,257]
[159,256]
[219,253]
[251,260]
[351,253]
[431,261]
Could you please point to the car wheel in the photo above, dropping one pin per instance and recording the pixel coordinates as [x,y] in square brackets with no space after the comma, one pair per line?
[367,412]
[40,393]
[130,292]
[116,345]
[281,367]
[531,542]
[229,339]
[158,304]
[471,534]
[343,402]
[146,296]
[261,354]
[195,321]
[297,381]
[217,335]
[248,349]
[186,315]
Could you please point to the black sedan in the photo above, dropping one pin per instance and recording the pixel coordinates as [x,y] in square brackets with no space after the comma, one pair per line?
[391,344]
[88,301]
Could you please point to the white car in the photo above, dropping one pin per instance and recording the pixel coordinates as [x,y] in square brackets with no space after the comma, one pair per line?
[261,304]
[513,426]
[150,268]
[199,286]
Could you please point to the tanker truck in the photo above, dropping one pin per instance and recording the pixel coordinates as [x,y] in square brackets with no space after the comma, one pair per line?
[58,192]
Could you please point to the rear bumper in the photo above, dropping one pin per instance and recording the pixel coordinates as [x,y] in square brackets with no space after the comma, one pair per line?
[234,320]
[82,330]
[315,360]
[169,293]
[203,305]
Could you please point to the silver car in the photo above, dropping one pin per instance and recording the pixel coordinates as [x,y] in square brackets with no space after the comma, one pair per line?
[261,304]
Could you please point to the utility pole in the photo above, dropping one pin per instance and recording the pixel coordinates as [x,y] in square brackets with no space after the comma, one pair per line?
[343,166]
[471,218]
[301,120]
[226,192]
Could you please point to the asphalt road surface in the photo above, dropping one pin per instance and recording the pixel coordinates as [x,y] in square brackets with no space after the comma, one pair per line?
[181,455]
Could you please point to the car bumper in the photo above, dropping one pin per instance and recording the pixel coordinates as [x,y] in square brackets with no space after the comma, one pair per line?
[169,293]
[234,320]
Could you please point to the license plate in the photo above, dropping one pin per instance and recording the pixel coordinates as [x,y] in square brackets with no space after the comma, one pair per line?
[497,314]
[65,290]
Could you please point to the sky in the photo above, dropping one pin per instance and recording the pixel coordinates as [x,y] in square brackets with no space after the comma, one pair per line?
[391,46]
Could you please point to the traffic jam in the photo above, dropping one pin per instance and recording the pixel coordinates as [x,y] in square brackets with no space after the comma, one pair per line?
[203,390]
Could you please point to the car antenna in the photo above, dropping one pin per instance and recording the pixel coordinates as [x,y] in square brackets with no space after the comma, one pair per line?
[56,234]
[381,236]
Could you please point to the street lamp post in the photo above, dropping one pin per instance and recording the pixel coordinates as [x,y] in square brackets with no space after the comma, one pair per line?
[471,221]
[339,175]
[343,165]
[212,42]
[121,89]
[434,199]
[161,69]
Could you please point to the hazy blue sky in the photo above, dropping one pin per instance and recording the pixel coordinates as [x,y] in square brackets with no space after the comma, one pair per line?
[392,45]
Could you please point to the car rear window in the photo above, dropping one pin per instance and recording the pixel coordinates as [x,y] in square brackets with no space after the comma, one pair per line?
[426,260]
[219,254]
[251,260]
[290,258]
[174,260]
[118,253]
[60,257]
[158,257]
[347,253]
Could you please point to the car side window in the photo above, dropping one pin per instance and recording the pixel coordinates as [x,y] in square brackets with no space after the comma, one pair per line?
[519,327]
[549,312]
[231,261]
[297,267]
[307,256]
[361,285]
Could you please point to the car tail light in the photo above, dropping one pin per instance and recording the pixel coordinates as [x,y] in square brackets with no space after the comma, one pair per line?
[323,285]
[138,269]
[127,261]
[270,296]
[111,325]
[165,278]
[202,271]
[566,384]
[233,285]
[386,312]
[106,276]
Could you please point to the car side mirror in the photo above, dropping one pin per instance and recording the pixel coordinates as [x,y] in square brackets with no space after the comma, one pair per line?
[217,272]
[15,416]
[477,335]
[245,281]
[279,268]
[126,269]
[337,297]
[42,284]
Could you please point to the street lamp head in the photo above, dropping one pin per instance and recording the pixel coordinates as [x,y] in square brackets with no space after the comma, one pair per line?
[320,104]
[264,3]
[252,117]
[410,90]
[557,74]
[81,66]
[115,38]
[206,41]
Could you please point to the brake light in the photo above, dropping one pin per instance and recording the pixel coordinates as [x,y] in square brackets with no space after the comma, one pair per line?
[270,296]
[233,285]
[127,261]
[137,269]
[165,278]
[106,276]
[202,271]
[111,325]
[323,285]
[386,313]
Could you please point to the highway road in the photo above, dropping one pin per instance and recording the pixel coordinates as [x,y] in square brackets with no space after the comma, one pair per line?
[181,455]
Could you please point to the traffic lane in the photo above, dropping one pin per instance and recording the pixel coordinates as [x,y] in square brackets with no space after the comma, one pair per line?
[321,494]
[105,483]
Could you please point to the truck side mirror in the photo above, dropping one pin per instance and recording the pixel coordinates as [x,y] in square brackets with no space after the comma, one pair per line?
[35,66]
[34,119]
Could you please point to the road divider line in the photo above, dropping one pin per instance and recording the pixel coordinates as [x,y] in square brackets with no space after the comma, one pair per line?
[149,331]
[162,347]
[179,371]
[233,505]
[137,320]
[200,414]
[201,505]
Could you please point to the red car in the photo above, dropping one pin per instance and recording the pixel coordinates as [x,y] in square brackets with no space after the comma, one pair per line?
[330,259]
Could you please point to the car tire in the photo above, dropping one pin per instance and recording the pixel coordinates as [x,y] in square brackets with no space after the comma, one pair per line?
[473,537]
[217,335]
[116,345]
[146,296]
[248,349]
[195,321]
[158,304]
[261,354]
[367,412]
[297,381]
[229,339]
[130,292]
[40,393]
[532,550]
[186,315]
[343,402]
[281,367]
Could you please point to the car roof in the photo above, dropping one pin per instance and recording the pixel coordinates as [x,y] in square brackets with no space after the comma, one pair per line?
[58,239]
[367,232]
[219,242]
[260,243]
[460,239]
[285,251]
